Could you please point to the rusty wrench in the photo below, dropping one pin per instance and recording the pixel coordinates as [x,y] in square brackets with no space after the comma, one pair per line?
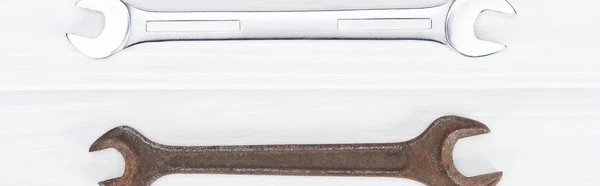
[449,23]
[426,158]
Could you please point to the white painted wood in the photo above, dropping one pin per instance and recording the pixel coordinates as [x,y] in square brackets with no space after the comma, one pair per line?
[540,97]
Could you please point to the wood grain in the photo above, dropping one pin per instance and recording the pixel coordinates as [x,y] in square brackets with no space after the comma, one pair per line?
[540,97]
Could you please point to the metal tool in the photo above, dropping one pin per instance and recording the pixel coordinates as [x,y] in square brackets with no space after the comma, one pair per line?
[426,158]
[449,23]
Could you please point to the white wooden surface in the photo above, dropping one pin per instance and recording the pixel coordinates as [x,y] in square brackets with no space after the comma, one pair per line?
[540,97]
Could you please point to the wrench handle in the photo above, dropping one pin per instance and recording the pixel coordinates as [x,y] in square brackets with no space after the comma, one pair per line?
[385,160]
[418,23]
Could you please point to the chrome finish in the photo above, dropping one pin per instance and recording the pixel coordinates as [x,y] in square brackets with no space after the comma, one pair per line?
[449,23]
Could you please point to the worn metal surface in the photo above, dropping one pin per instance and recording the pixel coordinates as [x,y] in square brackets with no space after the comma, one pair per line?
[426,158]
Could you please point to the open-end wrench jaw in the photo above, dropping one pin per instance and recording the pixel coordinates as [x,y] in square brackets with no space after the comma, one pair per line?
[460,25]
[113,37]
[136,150]
[445,133]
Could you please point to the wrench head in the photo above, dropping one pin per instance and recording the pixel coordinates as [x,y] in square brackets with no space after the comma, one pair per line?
[135,149]
[115,32]
[443,134]
[461,21]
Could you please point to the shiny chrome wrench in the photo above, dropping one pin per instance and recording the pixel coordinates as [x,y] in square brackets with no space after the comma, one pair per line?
[449,23]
